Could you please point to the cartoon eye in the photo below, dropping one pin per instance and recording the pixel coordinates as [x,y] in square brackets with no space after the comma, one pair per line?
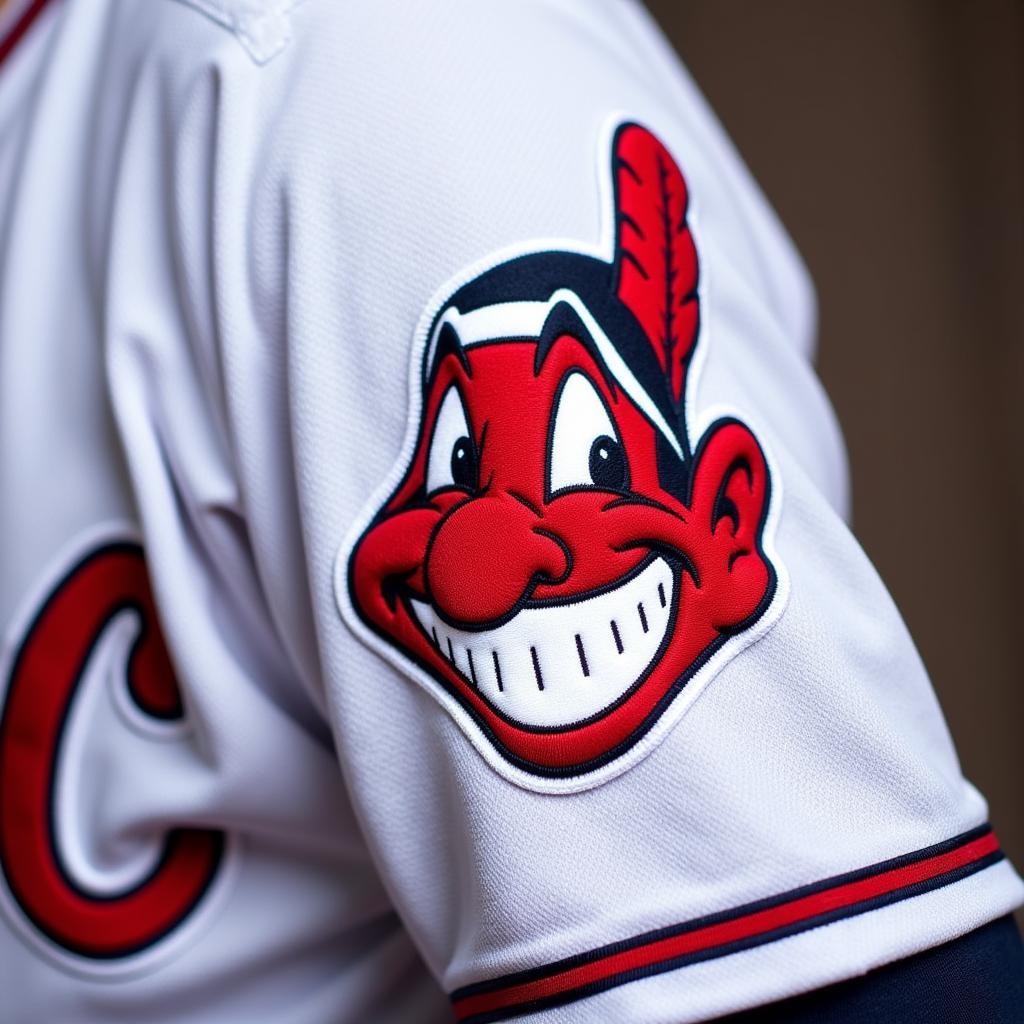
[585,446]
[452,458]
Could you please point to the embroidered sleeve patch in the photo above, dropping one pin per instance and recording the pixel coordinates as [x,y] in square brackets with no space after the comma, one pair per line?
[553,558]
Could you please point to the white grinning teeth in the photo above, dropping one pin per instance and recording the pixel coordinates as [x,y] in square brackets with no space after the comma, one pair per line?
[558,664]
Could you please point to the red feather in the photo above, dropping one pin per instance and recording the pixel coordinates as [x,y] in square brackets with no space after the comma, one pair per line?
[655,258]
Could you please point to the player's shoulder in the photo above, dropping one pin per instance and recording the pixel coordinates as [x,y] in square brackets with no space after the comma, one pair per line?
[266,29]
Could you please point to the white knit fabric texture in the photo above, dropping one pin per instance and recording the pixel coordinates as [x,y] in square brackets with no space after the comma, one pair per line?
[220,224]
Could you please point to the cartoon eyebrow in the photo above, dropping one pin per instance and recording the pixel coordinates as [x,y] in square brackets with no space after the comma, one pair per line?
[563,319]
[449,343]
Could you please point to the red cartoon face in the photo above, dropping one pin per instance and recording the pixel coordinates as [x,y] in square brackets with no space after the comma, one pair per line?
[555,555]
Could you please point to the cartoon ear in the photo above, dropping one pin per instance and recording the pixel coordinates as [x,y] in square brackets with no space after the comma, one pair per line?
[655,271]
[730,497]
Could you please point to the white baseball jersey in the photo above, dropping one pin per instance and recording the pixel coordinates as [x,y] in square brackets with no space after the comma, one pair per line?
[424,578]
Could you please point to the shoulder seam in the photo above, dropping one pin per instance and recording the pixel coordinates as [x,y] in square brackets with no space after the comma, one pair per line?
[263,27]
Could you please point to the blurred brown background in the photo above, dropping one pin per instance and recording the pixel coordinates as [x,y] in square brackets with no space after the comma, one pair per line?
[889,136]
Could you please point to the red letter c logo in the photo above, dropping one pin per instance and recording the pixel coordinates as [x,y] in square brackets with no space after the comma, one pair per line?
[42,684]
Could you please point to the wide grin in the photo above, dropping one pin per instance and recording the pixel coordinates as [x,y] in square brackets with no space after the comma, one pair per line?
[558,664]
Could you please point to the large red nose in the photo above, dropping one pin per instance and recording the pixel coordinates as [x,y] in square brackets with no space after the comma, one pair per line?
[485,556]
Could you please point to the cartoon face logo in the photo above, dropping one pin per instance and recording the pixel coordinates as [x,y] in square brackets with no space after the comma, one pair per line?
[556,563]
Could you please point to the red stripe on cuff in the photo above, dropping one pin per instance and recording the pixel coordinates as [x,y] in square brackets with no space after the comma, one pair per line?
[786,915]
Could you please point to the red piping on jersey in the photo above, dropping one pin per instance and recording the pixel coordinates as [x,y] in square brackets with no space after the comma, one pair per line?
[20,27]
[728,932]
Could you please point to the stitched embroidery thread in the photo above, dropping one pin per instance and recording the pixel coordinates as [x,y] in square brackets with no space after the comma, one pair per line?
[555,560]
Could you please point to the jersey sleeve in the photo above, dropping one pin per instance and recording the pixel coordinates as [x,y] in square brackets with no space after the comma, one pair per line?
[548,503]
